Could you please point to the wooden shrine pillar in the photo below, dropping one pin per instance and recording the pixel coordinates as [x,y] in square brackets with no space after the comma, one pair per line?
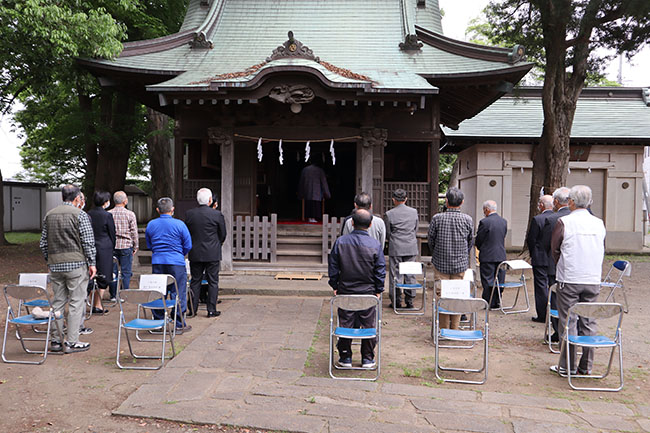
[224,139]
[373,141]
[434,176]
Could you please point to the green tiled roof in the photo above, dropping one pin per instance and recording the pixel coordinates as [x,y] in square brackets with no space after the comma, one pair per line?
[510,117]
[361,36]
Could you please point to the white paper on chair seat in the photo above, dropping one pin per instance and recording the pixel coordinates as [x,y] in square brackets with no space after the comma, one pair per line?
[154,282]
[469,275]
[457,289]
[518,264]
[410,268]
[187,267]
[39,280]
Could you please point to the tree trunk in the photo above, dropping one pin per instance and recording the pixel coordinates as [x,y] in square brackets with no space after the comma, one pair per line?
[90,145]
[160,156]
[3,240]
[115,142]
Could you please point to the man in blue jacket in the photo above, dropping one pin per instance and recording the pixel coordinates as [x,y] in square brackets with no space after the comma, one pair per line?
[170,240]
[357,267]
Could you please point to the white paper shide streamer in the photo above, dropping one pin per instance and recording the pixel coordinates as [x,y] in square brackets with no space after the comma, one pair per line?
[259,150]
[307,151]
[541,191]
[332,152]
[281,154]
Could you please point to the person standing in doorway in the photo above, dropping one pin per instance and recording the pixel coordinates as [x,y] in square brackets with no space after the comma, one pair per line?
[313,188]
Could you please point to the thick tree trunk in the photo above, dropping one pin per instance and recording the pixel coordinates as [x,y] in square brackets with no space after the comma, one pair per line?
[90,146]
[116,137]
[160,156]
[3,240]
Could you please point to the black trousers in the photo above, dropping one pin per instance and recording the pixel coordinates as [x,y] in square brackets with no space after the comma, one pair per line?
[541,290]
[551,281]
[211,270]
[488,270]
[352,319]
[313,209]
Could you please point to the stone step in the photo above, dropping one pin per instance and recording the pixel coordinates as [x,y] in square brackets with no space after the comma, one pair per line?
[289,251]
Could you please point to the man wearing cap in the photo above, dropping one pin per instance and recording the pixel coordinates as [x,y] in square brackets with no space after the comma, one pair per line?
[401,227]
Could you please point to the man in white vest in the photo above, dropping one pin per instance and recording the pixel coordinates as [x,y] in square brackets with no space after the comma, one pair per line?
[578,248]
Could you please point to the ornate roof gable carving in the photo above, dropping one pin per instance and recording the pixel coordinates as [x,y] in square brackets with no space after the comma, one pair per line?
[292,48]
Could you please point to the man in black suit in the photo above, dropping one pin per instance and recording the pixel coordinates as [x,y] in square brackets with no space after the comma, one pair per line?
[561,207]
[539,256]
[208,230]
[490,241]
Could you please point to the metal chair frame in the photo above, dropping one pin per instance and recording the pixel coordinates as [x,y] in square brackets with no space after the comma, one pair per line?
[354,303]
[462,306]
[519,285]
[404,270]
[26,293]
[468,323]
[25,279]
[625,268]
[551,314]
[141,297]
[597,310]
[155,305]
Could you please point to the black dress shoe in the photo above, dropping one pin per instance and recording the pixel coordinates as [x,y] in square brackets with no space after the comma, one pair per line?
[214,313]
[99,310]
[555,338]
[538,320]
[397,305]
[409,305]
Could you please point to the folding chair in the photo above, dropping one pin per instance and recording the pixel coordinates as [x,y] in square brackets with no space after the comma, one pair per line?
[458,289]
[24,294]
[140,298]
[355,303]
[33,279]
[550,315]
[115,278]
[614,282]
[520,285]
[596,310]
[462,306]
[414,269]
[159,283]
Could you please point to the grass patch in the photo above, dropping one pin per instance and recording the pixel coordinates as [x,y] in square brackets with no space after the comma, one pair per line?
[22,237]
[415,372]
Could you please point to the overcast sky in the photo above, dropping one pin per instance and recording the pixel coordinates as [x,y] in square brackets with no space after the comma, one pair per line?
[458,14]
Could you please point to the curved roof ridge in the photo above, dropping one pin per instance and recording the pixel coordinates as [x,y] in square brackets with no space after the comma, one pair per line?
[484,52]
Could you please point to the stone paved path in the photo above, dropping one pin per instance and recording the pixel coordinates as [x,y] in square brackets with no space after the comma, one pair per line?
[246,370]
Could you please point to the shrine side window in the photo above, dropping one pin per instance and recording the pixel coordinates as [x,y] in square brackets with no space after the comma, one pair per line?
[405,162]
[200,160]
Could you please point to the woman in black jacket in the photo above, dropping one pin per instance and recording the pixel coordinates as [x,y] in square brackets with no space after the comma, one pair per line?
[104,230]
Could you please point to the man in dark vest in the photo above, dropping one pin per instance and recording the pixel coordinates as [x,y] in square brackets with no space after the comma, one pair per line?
[208,230]
[68,245]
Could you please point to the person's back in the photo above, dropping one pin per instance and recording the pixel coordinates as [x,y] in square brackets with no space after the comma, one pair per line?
[401,230]
[168,240]
[357,255]
[207,228]
[582,249]
[450,236]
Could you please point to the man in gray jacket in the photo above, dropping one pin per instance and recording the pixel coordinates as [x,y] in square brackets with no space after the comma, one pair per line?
[401,228]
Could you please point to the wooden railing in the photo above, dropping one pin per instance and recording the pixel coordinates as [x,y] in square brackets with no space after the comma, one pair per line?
[331,231]
[255,238]
[417,193]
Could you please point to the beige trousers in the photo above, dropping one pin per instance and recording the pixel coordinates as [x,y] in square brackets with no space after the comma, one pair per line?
[449,321]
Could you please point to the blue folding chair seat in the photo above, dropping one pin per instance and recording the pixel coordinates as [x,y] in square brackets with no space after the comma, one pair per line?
[142,297]
[614,283]
[471,306]
[43,303]
[20,294]
[550,315]
[355,332]
[158,304]
[596,310]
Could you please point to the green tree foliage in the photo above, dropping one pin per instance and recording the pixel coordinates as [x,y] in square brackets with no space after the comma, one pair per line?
[570,41]
[446,166]
[73,129]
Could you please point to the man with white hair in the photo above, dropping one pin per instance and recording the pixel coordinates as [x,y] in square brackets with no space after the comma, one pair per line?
[208,230]
[126,239]
[538,256]
[490,241]
[578,248]
[560,208]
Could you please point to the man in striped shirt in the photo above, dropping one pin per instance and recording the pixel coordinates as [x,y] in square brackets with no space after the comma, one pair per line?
[68,246]
[126,240]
